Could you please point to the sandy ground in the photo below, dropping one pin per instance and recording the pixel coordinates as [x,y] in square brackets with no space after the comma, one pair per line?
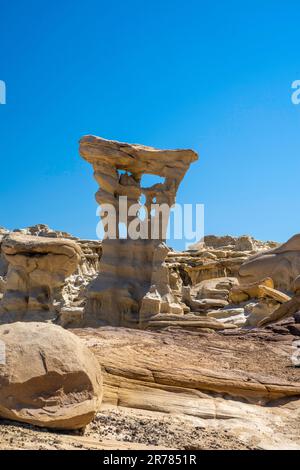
[120,429]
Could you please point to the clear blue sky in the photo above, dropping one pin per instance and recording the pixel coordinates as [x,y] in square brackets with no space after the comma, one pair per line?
[212,76]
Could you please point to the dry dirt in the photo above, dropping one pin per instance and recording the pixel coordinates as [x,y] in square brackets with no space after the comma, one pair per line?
[120,429]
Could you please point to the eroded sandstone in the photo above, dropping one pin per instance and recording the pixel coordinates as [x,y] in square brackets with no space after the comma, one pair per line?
[37,270]
[133,284]
[49,378]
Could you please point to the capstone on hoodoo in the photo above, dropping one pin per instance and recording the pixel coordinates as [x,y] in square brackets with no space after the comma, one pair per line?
[133,284]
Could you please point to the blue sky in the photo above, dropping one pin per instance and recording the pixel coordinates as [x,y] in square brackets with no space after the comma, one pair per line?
[211,76]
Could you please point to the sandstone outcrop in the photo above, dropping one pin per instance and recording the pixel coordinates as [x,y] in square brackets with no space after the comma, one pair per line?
[283,311]
[217,288]
[133,284]
[90,249]
[216,257]
[240,384]
[43,230]
[37,269]
[70,298]
[240,293]
[227,242]
[282,264]
[3,264]
[179,292]
[49,378]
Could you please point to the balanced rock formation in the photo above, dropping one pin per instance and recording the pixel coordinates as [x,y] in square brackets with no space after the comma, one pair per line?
[133,284]
[37,269]
[48,378]
[282,264]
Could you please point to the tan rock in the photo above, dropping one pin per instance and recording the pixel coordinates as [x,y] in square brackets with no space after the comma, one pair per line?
[283,311]
[212,367]
[297,285]
[71,317]
[274,294]
[130,268]
[249,291]
[225,313]
[38,267]
[202,305]
[188,321]
[257,311]
[49,378]
[281,263]
[217,288]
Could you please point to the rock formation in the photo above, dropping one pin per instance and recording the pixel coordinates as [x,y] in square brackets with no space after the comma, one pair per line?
[215,257]
[237,383]
[3,264]
[227,242]
[37,269]
[49,378]
[133,284]
[198,289]
[282,264]
[212,344]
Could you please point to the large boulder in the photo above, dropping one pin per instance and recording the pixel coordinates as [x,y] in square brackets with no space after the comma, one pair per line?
[48,377]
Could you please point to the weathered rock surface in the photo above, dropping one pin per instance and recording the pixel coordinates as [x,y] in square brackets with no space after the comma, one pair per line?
[240,384]
[231,304]
[216,257]
[188,321]
[90,249]
[294,329]
[240,293]
[67,300]
[282,264]
[242,243]
[283,311]
[3,264]
[235,391]
[49,378]
[37,270]
[134,280]
[259,310]
[217,288]
[179,291]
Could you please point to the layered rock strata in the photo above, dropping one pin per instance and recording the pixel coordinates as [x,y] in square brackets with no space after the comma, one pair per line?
[37,270]
[282,264]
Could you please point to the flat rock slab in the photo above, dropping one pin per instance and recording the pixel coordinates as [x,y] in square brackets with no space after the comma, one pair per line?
[251,369]
[242,386]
